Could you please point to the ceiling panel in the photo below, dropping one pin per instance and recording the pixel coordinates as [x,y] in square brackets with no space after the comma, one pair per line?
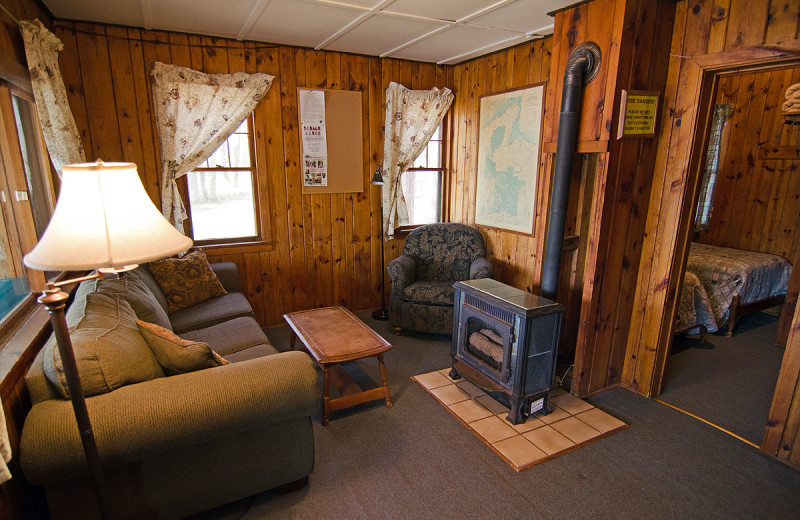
[455,41]
[382,33]
[522,16]
[119,12]
[300,22]
[192,16]
[451,10]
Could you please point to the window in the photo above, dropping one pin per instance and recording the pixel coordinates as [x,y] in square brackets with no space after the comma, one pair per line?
[422,183]
[27,196]
[222,205]
[705,204]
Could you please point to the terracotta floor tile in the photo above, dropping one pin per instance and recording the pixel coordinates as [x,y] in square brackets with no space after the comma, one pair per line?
[449,394]
[556,415]
[577,431]
[432,380]
[491,403]
[470,411]
[493,429]
[549,440]
[531,423]
[557,391]
[600,420]
[470,388]
[519,451]
[570,403]
[446,373]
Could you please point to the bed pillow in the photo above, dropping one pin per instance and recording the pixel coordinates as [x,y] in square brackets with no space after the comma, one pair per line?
[177,355]
[109,349]
[187,280]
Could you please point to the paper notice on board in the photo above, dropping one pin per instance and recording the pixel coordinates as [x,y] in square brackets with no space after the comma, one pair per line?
[315,146]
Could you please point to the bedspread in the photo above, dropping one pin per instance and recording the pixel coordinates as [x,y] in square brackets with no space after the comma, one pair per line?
[694,308]
[725,272]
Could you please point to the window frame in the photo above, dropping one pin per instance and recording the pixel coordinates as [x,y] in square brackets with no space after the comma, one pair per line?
[263,239]
[444,175]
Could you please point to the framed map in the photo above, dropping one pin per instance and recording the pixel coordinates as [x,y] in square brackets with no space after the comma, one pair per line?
[509,141]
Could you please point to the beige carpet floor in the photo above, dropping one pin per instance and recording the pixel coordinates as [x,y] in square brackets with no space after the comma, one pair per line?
[572,423]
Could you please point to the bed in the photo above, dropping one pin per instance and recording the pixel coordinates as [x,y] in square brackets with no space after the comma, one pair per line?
[735,282]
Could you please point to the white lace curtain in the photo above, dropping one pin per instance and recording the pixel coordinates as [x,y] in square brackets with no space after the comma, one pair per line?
[195,112]
[411,119]
[58,125]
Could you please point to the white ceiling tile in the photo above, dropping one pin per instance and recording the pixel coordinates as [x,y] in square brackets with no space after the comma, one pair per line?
[455,41]
[382,33]
[522,16]
[201,16]
[440,9]
[119,12]
[300,22]
[366,4]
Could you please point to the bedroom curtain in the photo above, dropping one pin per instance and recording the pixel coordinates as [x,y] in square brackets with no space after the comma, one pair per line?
[5,448]
[58,125]
[702,220]
[195,112]
[412,117]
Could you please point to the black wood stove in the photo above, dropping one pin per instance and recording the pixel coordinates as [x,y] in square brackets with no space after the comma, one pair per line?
[506,341]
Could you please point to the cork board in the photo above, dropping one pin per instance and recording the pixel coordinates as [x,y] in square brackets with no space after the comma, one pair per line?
[344,142]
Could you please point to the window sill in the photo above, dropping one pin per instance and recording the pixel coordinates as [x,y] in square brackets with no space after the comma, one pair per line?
[16,354]
[240,247]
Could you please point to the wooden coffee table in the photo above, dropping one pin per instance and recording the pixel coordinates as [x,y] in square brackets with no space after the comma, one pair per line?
[334,335]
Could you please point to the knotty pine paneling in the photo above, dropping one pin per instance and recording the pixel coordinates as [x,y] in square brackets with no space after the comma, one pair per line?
[325,248]
[757,200]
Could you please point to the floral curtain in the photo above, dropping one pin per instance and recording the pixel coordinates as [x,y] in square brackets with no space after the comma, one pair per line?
[705,204]
[411,119]
[195,112]
[5,448]
[58,124]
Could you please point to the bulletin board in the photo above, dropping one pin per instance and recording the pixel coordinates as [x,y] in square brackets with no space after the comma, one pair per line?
[344,142]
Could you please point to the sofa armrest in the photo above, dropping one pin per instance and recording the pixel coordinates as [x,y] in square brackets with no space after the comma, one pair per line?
[228,275]
[402,271]
[481,267]
[169,413]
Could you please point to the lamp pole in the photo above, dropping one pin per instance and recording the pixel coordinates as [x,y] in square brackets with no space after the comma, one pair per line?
[381,314]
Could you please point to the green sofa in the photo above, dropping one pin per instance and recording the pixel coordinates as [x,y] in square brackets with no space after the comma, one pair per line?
[172,446]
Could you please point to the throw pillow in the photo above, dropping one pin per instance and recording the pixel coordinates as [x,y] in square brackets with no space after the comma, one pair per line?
[177,355]
[186,281]
[109,349]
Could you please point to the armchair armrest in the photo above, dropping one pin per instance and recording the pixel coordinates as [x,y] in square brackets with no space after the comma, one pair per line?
[402,271]
[481,267]
[228,275]
[169,413]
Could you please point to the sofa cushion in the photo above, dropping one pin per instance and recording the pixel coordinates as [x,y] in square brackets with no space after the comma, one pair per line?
[210,312]
[144,274]
[430,293]
[256,351]
[230,336]
[109,350]
[176,355]
[138,295]
[186,281]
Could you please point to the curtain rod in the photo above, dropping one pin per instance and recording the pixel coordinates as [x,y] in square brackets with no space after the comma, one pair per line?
[9,14]
[142,40]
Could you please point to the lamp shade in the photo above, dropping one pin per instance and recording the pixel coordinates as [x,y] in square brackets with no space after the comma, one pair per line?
[104,219]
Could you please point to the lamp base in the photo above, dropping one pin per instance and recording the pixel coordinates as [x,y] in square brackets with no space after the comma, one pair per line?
[381,314]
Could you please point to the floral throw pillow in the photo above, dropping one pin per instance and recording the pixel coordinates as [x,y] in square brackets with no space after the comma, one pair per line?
[186,281]
[175,354]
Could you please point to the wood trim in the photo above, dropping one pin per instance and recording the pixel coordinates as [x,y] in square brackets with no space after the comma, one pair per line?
[582,147]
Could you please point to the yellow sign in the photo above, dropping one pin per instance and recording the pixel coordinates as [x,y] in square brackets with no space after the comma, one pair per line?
[639,111]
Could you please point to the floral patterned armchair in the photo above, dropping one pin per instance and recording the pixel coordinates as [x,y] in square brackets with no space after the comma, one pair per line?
[434,257]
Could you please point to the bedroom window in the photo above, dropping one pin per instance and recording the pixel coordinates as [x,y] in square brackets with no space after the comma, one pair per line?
[422,183]
[705,205]
[221,193]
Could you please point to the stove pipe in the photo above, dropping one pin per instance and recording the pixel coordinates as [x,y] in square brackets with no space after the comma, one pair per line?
[582,67]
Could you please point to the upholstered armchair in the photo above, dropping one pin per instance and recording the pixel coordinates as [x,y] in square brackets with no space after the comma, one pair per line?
[434,257]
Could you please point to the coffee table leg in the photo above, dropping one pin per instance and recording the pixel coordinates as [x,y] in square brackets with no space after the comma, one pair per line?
[326,394]
[385,381]
[292,340]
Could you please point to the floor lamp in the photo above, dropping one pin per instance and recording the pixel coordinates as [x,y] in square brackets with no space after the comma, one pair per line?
[103,220]
[381,314]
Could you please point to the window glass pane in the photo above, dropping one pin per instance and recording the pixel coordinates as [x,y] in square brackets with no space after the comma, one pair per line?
[222,204]
[239,146]
[434,154]
[220,158]
[422,190]
[13,282]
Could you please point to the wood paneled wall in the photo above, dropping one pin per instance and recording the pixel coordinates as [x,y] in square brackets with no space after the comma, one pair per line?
[326,248]
[757,199]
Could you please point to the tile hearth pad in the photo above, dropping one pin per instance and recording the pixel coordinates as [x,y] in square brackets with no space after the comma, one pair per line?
[573,422]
